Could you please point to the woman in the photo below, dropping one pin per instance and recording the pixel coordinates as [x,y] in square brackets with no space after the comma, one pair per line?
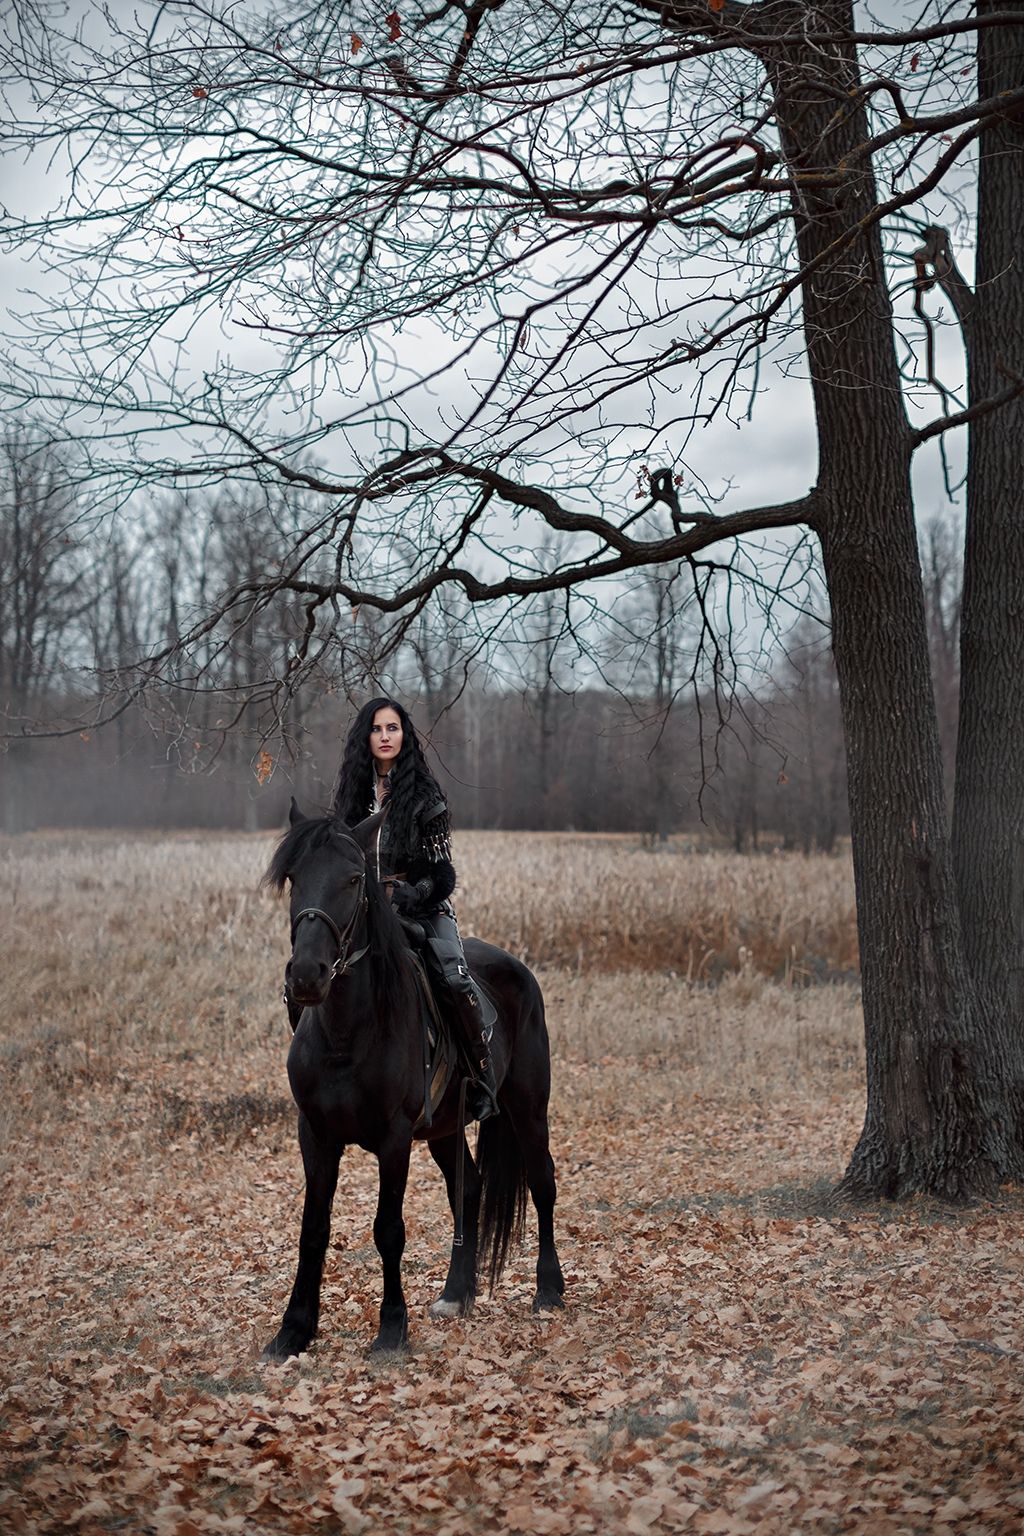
[383,767]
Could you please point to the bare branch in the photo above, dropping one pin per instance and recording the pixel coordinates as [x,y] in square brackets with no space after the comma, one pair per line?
[973,412]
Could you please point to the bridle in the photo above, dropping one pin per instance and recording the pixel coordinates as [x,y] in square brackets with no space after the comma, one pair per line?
[344,961]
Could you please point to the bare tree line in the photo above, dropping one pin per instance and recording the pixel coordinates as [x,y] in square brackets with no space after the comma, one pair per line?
[522,737]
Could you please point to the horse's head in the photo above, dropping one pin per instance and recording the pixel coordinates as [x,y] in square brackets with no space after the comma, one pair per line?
[325,865]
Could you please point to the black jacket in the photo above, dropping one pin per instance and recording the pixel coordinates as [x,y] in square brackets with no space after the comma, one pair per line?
[425,863]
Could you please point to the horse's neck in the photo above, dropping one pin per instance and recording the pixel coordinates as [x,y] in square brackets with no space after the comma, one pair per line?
[349,1018]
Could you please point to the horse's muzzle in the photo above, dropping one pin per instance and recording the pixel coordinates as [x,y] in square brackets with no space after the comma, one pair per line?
[307,982]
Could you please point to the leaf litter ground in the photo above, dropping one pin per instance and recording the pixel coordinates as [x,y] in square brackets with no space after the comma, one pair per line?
[736,1354]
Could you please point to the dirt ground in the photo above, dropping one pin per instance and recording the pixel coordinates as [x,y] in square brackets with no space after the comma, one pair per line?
[735,1355]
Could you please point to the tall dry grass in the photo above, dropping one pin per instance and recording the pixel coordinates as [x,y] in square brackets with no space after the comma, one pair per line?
[609,904]
[158,958]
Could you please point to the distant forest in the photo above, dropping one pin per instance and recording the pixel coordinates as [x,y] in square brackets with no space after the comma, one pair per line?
[771,773]
[620,725]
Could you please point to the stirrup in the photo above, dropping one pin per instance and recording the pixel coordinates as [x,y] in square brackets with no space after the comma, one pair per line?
[482,1093]
[481,1103]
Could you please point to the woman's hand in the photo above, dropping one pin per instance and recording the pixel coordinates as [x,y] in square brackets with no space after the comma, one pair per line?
[407,898]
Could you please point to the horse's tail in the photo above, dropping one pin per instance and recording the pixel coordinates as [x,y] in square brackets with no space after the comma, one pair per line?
[499,1159]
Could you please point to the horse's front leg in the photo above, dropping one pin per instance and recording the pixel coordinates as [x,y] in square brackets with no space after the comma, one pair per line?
[302,1314]
[460,1287]
[389,1237]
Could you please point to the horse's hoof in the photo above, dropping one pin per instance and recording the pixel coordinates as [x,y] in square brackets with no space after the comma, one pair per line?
[547,1301]
[284,1346]
[442,1308]
[389,1346]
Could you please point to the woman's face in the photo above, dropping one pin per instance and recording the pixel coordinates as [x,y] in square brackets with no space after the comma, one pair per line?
[385,739]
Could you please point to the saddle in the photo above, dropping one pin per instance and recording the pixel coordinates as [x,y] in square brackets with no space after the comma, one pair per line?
[443,1052]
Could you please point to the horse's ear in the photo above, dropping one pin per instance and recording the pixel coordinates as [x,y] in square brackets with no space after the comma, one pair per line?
[364,832]
[294,814]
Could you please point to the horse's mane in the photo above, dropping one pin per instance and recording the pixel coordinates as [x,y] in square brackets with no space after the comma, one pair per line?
[303,837]
[392,972]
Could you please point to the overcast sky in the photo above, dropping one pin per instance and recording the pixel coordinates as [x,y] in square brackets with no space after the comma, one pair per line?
[769,458]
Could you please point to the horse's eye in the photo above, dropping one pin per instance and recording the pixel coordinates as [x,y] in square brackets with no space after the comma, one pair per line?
[354,880]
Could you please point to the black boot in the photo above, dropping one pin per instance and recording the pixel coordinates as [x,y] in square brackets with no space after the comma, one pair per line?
[482,1095]
[474,1013]
[474,1017]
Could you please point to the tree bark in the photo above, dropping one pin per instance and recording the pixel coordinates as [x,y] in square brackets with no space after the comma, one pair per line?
[988,835]
[932,1103]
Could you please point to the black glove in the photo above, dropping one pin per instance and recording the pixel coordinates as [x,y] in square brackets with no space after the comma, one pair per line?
[408,898]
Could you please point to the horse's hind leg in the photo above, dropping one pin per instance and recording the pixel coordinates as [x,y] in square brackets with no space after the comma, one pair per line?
[460,1287]
[531,1123]
[540,1175]
[302,1314]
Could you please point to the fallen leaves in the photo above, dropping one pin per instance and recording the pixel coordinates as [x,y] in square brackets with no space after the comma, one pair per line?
[714,1372]
[735,1356]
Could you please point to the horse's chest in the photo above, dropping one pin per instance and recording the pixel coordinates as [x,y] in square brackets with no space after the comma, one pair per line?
[323,1085]
[331,1091]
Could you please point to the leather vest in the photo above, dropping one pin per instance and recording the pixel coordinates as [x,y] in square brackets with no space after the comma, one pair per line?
[429,840]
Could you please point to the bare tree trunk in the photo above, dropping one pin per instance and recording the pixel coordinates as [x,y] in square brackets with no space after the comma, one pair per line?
[16,779]
[931,1103]
[943,575]
[39,576]
[989,801]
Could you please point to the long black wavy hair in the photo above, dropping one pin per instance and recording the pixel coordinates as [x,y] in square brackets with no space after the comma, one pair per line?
[411,781]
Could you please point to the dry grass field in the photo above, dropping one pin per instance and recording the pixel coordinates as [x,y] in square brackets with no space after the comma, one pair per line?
[736,1354]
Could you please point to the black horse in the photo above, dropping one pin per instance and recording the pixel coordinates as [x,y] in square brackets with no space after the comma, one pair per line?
[357,1074]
